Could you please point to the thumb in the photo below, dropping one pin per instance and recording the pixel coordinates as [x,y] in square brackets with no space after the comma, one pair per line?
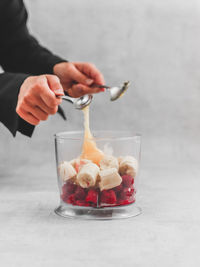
[79,77]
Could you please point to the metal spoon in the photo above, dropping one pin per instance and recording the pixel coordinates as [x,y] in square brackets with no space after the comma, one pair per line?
[83,101]
[79,103]
[115,92]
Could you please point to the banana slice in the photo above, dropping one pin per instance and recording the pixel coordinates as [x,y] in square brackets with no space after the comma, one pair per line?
[78,163]
[128,165]
[109,178]
[109,162]
[66,171]
[87,175]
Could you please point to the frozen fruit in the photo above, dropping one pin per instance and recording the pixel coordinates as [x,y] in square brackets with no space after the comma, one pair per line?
[128,165]
[64,190]
[66,171]
[78,163]
[64,197]
[118,188]
[80,193]
[71,199]
[82,203]
[108,197]
[127,180]
[88,175]
[108,162]
[109,178]
[126,193]
[92,196]
[69,188]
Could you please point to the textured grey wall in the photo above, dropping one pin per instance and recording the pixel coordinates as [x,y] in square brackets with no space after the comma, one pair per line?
[153,43]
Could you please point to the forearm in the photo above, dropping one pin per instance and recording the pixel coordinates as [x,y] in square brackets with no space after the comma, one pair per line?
[27,56]
[21,52]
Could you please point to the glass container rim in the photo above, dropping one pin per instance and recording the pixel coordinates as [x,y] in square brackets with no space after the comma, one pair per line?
[67,134]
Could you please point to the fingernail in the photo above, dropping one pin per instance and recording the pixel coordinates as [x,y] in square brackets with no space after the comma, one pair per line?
[89,81]
[58,92]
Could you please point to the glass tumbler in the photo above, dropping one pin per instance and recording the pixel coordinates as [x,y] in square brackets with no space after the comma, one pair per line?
[105,191]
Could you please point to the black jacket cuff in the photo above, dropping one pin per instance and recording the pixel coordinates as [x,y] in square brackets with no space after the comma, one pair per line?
[10,84]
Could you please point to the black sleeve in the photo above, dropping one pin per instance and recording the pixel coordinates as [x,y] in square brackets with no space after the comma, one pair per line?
[10,84]
[19,51]
[20,56]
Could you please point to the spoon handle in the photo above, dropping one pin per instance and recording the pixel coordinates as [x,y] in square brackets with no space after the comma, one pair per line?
[67,98]
[101,86]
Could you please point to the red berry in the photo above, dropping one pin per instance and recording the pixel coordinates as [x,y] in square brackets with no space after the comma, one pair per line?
[118,188]
[126,193]
[64,190]
[71,199]
[108,197]
[64,197]
[80,193]
[127,180]
[68,188]
[82,203]
[124,202]
[92,196]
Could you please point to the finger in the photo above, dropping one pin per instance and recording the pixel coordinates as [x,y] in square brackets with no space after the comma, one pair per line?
[28,117]
[80,90]
[75,91]
[91,70]
[36,100]
[38,113]
[47,95]
[78,76]
[55,85]
[45,108]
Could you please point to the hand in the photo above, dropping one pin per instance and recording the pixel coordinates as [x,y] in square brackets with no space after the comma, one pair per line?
[79,78]
[37,98]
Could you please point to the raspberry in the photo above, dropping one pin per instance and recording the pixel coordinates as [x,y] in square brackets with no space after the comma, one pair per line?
[124,202]
[64,190]
[80,193]
[71,199]
[108,197]
[69,188]
[126,193]
[64,197]
[127,180]
[82,203]
[118,188]
[92,196]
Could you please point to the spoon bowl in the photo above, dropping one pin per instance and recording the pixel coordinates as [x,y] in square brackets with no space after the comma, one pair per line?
[82,101]
[116,92]
[79,103]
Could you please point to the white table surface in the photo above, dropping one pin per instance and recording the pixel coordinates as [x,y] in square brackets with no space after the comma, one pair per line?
[166,234]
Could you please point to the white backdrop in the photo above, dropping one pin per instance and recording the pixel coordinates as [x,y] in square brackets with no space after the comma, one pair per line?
[155,44]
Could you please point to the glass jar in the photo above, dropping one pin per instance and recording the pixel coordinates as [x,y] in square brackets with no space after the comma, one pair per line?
[112,192]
